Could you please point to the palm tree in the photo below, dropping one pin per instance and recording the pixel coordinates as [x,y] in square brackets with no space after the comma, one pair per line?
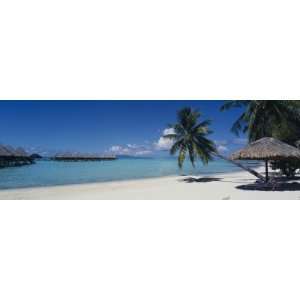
[190,137]
[268,118]
[262,118]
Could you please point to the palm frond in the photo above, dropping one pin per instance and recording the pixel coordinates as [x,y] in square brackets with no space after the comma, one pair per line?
[202,127]
[175,147]
[233,104]
[239,124]
[262,118]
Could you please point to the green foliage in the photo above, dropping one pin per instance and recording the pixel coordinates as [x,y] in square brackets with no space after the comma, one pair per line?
[287,168]
[265,118]
[291,137]
[270,118]
[190,137]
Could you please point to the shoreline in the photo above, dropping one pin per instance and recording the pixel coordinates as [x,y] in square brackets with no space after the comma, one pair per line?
[217,186]
[119,180]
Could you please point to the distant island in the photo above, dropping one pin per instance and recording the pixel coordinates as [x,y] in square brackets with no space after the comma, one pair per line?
[36,156]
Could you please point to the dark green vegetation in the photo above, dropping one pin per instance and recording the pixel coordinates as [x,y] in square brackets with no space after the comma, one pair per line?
[266,118]
[270,118]
[289,134]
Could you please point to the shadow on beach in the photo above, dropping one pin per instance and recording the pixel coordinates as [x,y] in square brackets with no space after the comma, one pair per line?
[281,184]
[192,179]
[279,187]
[201,179]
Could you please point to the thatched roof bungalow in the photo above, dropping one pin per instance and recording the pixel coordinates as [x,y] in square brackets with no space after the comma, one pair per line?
[20,152]
[11,157]
[267,149]
[4,152]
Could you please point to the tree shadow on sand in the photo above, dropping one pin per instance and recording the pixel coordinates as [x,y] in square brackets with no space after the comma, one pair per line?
[280,187]
[201,179]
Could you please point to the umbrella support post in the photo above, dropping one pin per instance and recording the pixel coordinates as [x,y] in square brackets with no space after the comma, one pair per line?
[267,171]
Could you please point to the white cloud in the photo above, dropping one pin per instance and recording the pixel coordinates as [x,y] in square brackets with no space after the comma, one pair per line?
[222,145]
[115,148]
[222,148]
[133,146]
[164,143]
[129,149]
[146,149]
[168,131]
[143,152]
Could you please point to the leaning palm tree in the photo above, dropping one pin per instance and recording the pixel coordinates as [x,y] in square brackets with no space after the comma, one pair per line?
[190,137]
[262,118]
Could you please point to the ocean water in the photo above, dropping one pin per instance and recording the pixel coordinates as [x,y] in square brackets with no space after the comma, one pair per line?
[50,173]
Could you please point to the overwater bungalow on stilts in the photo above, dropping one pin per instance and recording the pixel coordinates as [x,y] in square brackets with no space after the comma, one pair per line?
[11,157]
[76,156]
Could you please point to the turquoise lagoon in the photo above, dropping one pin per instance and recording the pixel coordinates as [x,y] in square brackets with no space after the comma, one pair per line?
[51,173]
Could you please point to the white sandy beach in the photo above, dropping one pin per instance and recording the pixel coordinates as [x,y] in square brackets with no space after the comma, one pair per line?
[215,187]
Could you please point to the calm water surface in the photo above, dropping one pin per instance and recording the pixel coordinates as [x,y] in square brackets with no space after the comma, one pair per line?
[49,173]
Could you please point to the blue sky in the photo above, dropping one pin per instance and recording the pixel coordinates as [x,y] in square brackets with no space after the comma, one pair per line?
[123,127]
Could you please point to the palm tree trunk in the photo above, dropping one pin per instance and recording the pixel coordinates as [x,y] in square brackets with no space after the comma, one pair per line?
[256,174]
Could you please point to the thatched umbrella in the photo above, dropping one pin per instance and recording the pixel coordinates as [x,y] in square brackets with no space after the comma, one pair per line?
[267,149]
